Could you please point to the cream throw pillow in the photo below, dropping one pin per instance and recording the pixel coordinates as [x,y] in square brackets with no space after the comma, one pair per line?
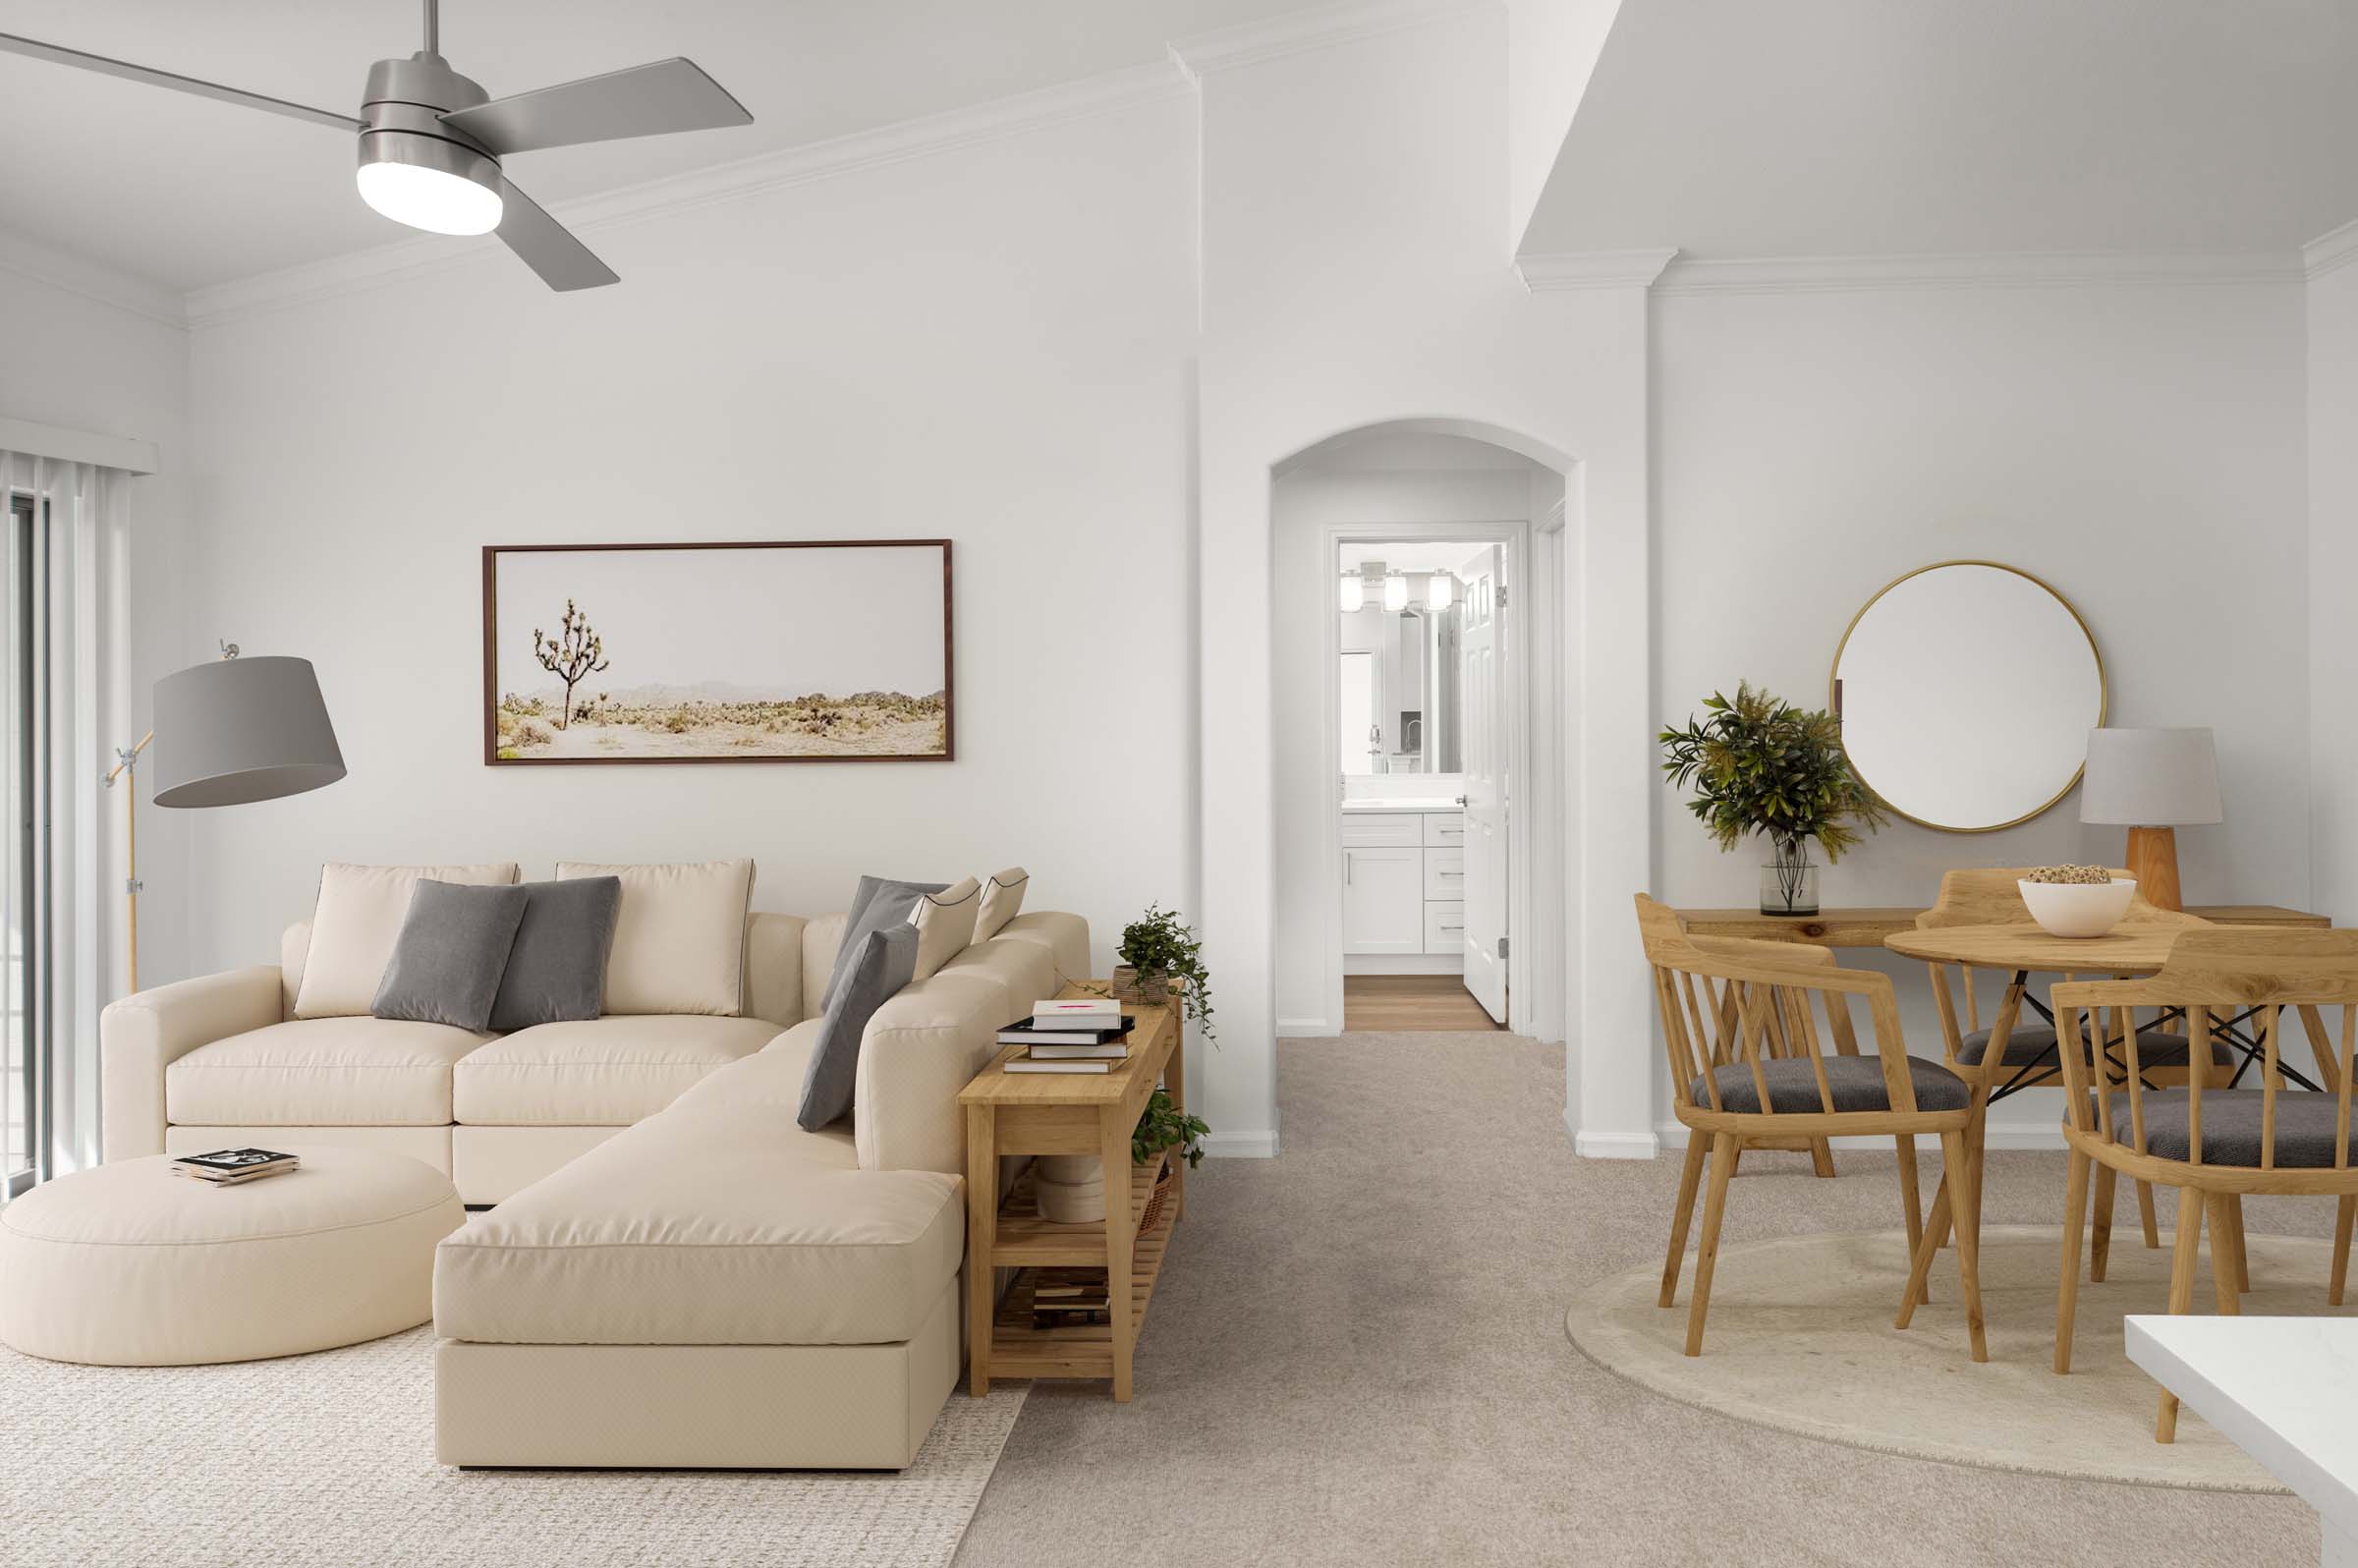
[1003,901]
[679,937]
[356,923]
[945,925]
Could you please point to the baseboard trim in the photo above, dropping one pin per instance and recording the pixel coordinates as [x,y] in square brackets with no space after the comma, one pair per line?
[1304,1029]
[1611,1146]
[1673,1135]
[1260,1145]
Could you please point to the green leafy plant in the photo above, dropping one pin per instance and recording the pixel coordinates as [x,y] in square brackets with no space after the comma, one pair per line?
[1157,945]
[1760,764]
[1162,1125]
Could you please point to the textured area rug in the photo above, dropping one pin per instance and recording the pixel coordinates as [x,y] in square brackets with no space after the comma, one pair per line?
[328,1460]
[1800,1338]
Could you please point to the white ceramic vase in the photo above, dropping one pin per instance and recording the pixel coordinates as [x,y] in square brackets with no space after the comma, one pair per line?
[1070,1189]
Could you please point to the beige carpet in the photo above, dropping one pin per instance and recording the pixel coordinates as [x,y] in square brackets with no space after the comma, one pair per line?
[326,1461]
[1800,1338]
[1357,1358]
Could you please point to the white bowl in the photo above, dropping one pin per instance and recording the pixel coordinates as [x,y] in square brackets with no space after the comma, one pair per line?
[2078,909]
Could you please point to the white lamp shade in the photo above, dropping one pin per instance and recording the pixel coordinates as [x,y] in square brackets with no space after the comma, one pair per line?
[1395,593]
[1353,594]
[1439,589]
[2150,778]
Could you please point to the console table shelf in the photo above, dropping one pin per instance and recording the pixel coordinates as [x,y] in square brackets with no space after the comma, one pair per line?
[1066,1113]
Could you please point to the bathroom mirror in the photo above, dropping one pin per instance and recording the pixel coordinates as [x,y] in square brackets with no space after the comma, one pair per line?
[1966,693]
[1398,675]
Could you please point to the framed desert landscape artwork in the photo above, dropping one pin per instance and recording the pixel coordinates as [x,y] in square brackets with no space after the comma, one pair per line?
[822,650]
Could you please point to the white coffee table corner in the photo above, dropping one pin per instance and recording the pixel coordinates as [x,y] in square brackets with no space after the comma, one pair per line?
[2283,1390]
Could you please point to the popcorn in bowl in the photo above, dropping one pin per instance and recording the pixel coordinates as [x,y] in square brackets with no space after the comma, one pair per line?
[2079,901]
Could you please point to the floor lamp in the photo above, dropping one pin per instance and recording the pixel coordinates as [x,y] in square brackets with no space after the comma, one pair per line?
[226,733]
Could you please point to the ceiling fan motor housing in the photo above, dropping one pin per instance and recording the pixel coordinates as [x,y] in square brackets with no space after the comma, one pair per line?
[401,114]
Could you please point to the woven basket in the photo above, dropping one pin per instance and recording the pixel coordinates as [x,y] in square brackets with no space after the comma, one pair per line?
[1153,1209]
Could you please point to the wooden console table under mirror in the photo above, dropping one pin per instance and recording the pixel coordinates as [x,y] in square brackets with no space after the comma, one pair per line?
[1059,1113]
[1868,925]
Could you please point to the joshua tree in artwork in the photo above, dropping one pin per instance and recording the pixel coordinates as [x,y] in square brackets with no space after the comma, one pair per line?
[573,655]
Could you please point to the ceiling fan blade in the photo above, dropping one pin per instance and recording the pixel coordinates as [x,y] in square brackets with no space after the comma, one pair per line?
[643,101]
[56,54]
[547,246]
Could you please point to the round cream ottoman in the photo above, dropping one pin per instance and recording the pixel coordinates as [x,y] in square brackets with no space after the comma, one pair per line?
[129,1265]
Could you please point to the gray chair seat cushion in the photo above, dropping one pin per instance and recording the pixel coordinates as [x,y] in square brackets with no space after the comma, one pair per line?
[2231,1127]
[2028,1043]
[1857,1083]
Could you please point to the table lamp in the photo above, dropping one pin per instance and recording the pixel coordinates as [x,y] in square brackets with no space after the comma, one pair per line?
[2151,782]
[226,733]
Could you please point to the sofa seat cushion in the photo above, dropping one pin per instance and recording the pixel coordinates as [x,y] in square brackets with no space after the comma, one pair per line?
[320,1071]
[717,1222]
[598,1071]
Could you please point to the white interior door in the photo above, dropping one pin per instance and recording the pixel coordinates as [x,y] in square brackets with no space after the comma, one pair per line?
[1483,753]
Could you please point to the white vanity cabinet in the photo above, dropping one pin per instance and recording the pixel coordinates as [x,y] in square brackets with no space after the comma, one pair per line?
[1404,881]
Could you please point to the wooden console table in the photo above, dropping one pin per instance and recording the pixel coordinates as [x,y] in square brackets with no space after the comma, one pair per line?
[1067,1113]
[1868,925]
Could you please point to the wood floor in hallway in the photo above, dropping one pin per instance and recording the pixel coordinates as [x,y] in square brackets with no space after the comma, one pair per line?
[1412,1004]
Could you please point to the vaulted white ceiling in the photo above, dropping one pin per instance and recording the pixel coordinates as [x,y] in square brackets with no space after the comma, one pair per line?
[187,192]
[1737,128]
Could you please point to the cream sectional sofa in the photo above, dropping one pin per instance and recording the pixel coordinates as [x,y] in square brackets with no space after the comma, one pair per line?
[676,1273]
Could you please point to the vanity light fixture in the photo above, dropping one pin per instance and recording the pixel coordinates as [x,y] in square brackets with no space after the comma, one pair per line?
[1439,589]
[1354,594]
[1395,593]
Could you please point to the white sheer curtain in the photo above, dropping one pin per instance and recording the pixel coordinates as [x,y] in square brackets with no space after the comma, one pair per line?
[67,693]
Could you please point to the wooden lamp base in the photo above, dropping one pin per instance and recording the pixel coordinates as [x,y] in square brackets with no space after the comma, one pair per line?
[2154,861]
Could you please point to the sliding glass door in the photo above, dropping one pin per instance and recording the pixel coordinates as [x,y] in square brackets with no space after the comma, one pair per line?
[26,1132]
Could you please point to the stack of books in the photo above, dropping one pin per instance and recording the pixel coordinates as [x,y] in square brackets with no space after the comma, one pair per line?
[1064,1298]
[227,1167]
[1082,1035]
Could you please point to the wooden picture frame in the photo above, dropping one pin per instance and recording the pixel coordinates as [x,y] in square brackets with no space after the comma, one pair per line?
[712,669]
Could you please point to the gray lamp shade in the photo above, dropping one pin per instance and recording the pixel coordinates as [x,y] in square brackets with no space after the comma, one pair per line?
[2150,778]
[241,730]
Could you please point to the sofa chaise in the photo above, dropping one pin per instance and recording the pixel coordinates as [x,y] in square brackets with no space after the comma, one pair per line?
[675,1273]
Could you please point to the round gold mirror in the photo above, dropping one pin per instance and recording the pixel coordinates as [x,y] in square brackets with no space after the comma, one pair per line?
[1966,692]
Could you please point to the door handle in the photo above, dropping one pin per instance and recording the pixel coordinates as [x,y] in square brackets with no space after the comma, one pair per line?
[1461,800]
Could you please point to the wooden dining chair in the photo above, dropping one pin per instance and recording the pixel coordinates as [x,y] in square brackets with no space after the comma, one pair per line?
[2214,1145]
[1984,895]
[1749,1065]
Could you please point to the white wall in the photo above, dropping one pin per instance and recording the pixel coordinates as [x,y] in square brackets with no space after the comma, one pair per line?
[990,344]
[1360,486]
[1354,276]
[2332,569]
[86,350]
[2140,448]
[1553,46]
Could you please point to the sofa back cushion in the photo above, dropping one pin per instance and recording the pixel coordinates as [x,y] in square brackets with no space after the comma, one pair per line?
[356,923]
[679,939]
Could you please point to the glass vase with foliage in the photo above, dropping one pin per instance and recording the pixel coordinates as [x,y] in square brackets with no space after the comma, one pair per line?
[1162,950]
[1759,765]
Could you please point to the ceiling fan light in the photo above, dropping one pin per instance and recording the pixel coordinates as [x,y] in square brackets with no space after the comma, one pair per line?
[429,184]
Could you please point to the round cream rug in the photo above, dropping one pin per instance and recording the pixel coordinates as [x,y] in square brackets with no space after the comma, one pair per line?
[1800,1338]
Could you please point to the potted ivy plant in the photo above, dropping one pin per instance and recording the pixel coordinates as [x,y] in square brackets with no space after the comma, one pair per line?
[1156,950]
[1760,764]
[1163,1125]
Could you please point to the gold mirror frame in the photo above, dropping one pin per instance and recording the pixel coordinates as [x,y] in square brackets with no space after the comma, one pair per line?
[1834,694]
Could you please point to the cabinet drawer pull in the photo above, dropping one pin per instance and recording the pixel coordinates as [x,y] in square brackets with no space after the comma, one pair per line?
[1448,874]
[1453,927]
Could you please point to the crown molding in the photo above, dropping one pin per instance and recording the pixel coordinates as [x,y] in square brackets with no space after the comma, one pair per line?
[46,264]
[1992,270]
[2330,251]
[742,180]
[1299,32]
[1592,270]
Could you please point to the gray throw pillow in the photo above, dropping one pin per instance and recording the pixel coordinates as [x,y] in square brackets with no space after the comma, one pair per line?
[452,949]
[879,903]
[557,970]
[882,964]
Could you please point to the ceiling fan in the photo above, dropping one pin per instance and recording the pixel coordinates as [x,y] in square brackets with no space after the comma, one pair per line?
[431,141]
